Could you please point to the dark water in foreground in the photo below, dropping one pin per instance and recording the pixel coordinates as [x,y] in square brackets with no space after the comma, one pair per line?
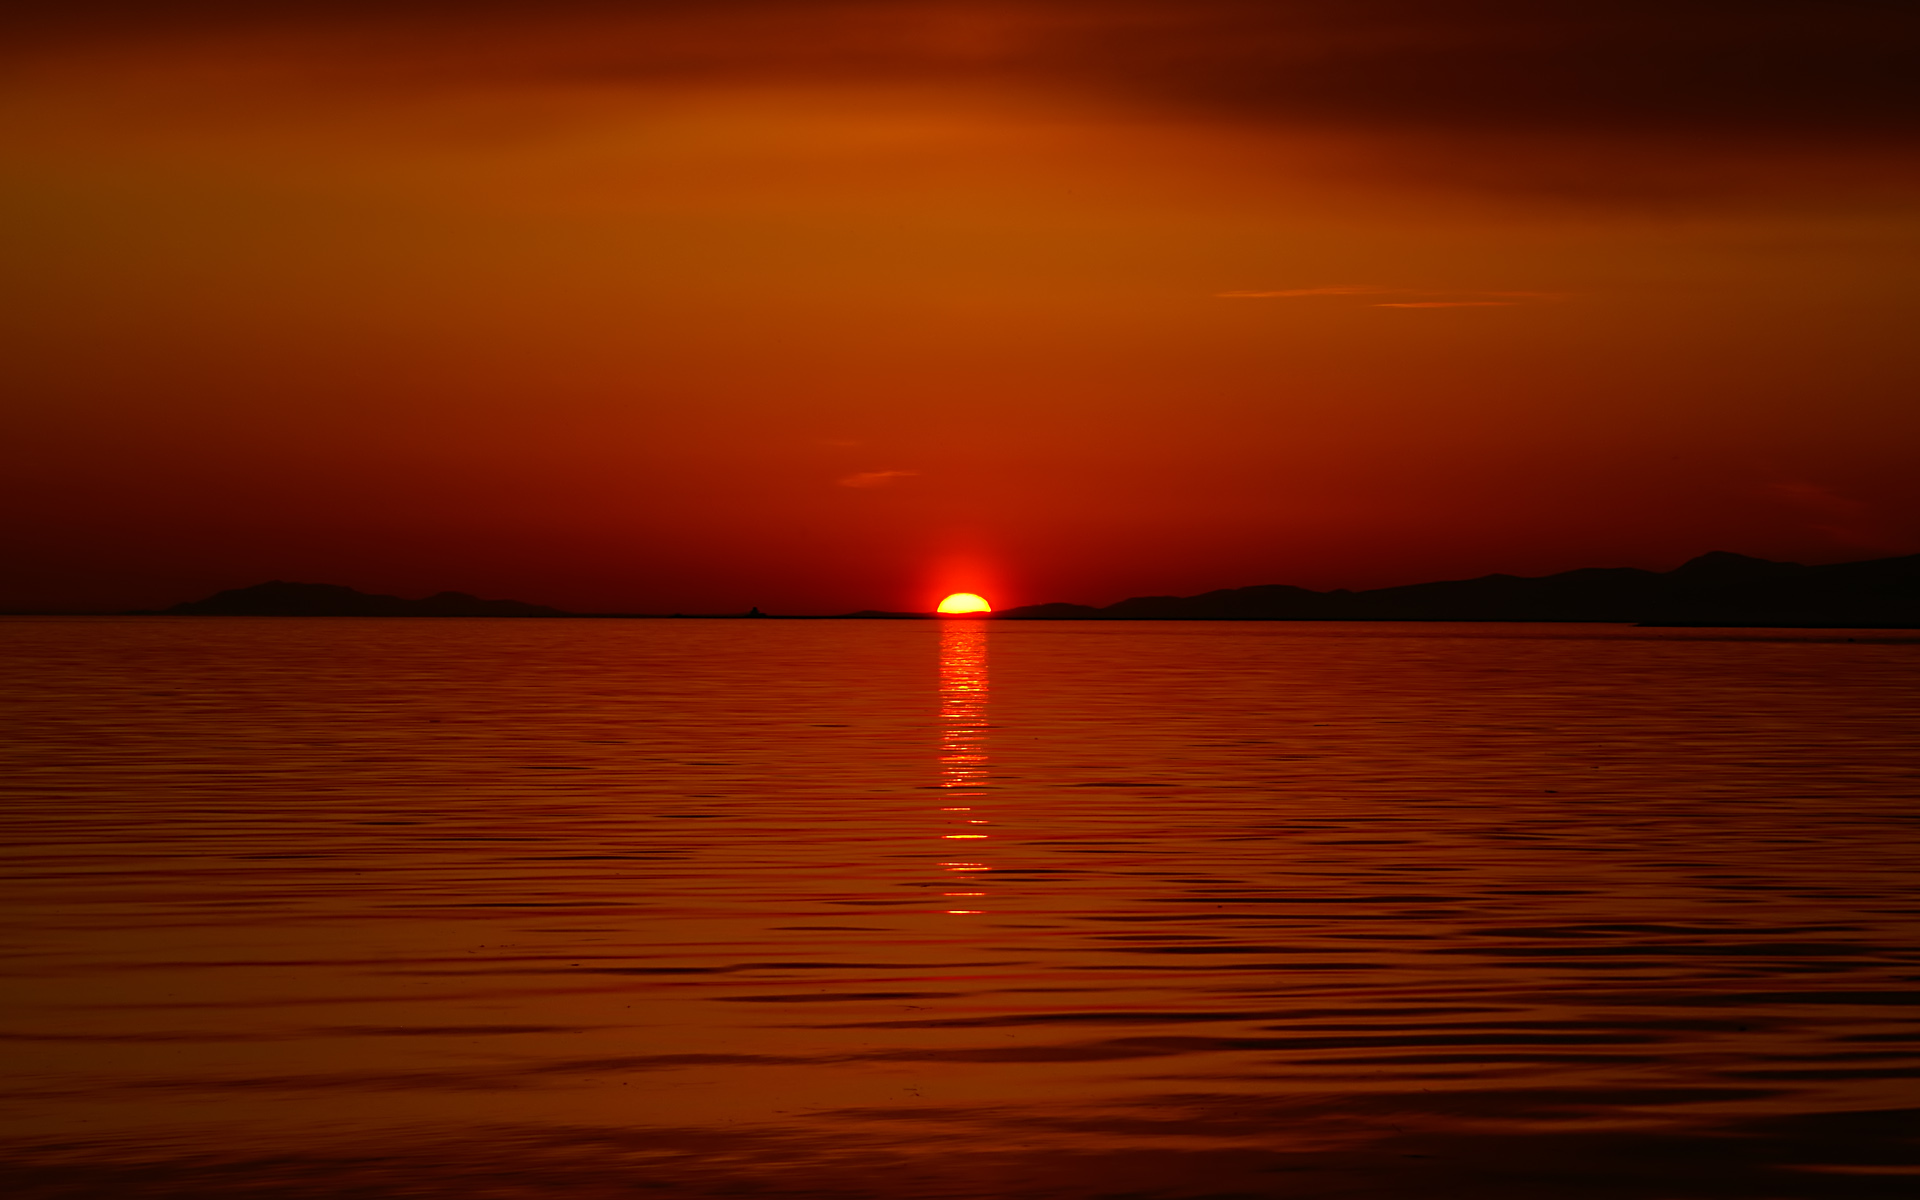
[900,909]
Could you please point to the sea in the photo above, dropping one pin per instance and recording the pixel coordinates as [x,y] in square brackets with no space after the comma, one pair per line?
[981,910]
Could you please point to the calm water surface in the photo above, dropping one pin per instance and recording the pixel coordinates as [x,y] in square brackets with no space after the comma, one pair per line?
[312,908]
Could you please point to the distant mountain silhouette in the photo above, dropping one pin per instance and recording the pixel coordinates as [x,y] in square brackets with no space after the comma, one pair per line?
[1717,589]
[1714,589]
[281,599]
[875,614]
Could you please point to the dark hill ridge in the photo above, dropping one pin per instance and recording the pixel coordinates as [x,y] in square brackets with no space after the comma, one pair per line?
[281,599]
[1717,589]
[1714,589]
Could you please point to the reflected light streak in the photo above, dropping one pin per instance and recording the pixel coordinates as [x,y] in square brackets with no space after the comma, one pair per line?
[963,733]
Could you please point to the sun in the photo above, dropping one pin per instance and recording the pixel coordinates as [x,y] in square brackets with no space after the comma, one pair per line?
[964,603]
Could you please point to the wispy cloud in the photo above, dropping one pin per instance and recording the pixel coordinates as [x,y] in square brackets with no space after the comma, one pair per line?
[1447,304]
[1342,289]
[873,479]
[1410,297]
[1850,521]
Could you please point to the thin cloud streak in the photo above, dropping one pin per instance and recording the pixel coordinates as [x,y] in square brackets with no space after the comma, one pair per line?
[1504,300]
[1338,290]
[873,479]
[1844,518]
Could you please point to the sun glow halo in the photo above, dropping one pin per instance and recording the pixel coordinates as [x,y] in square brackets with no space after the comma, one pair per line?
[964,604]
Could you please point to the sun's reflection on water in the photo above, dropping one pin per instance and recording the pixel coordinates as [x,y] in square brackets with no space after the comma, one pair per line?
[963,747]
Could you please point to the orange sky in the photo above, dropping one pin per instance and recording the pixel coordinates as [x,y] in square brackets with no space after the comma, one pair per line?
[823,306]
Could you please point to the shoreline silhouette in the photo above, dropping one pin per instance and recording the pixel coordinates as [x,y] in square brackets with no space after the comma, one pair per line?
[1717,589]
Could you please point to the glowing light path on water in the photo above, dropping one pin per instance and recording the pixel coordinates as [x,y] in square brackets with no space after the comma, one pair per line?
[963,734]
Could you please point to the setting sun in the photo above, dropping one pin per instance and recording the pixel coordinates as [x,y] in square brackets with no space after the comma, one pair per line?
[961,603]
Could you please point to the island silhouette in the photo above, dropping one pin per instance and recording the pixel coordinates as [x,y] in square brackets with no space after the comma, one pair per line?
[279,598]
[1715,589]
[1719,588]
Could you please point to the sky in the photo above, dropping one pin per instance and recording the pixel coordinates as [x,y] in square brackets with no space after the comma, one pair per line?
[823,305]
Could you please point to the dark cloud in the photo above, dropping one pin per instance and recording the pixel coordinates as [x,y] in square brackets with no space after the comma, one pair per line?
[1774,68]
[1629,102]
[1813,67]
